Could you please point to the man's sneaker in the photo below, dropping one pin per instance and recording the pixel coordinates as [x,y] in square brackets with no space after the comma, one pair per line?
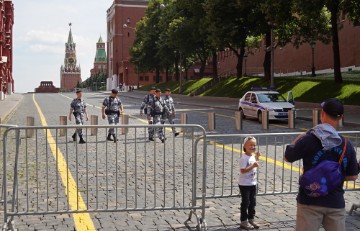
[109,138]
[82,141]
[246,225]
[163,140]
[151,139]
[176,134]
[115,139]
[256,226]
[74,137]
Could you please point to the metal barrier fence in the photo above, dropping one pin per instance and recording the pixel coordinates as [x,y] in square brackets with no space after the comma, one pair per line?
[274,175]
[51,174]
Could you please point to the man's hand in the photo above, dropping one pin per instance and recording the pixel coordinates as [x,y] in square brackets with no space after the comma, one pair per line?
[141,113]
[69,117]
[103,116]
[87,118]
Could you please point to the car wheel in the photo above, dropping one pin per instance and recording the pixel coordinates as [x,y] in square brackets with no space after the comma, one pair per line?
[242,112]
[259,117]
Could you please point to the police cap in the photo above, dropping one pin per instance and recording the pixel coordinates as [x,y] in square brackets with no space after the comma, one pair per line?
[158,90]
[167,89]
[114,91]
[153,88]
[78,91]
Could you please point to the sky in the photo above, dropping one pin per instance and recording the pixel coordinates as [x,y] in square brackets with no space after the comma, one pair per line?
[40,32]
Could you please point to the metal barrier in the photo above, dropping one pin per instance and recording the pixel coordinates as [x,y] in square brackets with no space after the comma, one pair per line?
[275,176]
[133,174]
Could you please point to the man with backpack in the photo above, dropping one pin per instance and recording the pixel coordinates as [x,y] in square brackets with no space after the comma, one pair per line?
[158,110]
[112,108]
[328,160]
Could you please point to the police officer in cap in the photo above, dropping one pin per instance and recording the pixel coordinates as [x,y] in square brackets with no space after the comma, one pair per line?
[146,107]
[78,109]
[171,115]
[112,108]
[158,110]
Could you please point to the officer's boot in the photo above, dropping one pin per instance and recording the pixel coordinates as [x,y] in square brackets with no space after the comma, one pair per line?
[74,137]
[109,138]
[115,139]
[82,141]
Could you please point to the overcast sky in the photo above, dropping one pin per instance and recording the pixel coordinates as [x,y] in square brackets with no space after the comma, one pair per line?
[41,30]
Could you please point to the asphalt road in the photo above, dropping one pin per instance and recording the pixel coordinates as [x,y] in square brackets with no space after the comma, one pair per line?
[56,174]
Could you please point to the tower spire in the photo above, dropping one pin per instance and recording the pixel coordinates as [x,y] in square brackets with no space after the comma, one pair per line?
[70,38]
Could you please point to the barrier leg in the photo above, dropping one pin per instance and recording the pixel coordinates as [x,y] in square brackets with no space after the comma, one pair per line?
[239,120]
[265,119]
[63,121]
[183,120]
[94,121]
[291,119]
[124,121]
[211,121]
[30,121]
[315,117]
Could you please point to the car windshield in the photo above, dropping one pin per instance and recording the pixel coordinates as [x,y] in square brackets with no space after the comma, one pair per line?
[270,98]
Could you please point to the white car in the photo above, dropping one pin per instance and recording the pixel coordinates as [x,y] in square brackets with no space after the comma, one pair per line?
[259,99]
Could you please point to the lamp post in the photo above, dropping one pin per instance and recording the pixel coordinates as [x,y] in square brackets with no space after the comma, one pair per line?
[245,59]
[312,45]
[272,82]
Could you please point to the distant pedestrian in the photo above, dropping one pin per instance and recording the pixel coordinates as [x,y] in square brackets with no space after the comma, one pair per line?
[78,109]
[145,108]
[249,162]
[170,116]
[112,108]
[322,202]
[158,110]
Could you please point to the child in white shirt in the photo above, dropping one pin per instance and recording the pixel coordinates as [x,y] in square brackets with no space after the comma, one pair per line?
[247,183]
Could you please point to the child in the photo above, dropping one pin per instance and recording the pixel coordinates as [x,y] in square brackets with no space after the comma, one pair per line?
[247,183]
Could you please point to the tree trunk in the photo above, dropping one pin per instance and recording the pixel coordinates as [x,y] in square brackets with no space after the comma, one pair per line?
[157,75]
[167,74]
[267,59]
[177,73]
[239,65]
[214,64]
[334,9]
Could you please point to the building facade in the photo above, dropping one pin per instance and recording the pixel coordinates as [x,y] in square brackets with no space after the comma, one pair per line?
[70,72]
[120,39]
[6,47]
[290,60]
[100,60]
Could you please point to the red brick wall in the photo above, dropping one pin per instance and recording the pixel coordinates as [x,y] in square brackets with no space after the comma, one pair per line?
[69,81]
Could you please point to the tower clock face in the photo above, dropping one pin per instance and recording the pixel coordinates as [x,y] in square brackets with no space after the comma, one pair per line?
[71,60]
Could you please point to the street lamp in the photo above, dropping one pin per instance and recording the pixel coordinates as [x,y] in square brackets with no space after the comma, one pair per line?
[272,83]
[312,45]
[245,59]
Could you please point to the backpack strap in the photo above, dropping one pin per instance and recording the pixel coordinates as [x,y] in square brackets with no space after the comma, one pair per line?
[343,152]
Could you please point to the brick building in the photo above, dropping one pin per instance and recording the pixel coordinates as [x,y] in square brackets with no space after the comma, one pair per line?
[6,47]
[120,40]
[70,72]
[100,58]
[290,60]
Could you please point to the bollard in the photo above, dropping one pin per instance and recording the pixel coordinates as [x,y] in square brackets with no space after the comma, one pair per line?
[183,120]
[265,119]
[341,122]
[30,121]
[124,121]
[63,121]
[94,121]
[315,116]
[239,120]
[291,119]
[211,121]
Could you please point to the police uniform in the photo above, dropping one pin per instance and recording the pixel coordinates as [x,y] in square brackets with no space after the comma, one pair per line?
[146,106]
[113,106]
[171,115]
[159,108]
[78,108]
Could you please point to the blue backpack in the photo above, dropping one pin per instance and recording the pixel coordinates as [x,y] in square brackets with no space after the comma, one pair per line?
[323,178]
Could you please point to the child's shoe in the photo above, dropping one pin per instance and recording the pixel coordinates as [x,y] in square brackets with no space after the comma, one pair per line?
[246,225]
[256,226]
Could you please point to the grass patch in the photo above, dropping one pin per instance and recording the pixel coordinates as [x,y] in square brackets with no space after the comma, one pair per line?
[305,89]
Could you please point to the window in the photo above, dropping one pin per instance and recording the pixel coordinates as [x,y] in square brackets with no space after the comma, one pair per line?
[253,98]
[247,96]
[141,78]
[160,78]
[266,98]
[147,78]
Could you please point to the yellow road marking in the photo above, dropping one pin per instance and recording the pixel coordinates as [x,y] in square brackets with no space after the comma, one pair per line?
[82,220]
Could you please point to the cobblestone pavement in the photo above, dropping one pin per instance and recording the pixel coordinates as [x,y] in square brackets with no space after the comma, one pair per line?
[152,171]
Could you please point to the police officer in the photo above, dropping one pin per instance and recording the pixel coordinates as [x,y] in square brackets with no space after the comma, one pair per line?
[171,115]
[113,108]
[158,110]
[145,108]
[78,109]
